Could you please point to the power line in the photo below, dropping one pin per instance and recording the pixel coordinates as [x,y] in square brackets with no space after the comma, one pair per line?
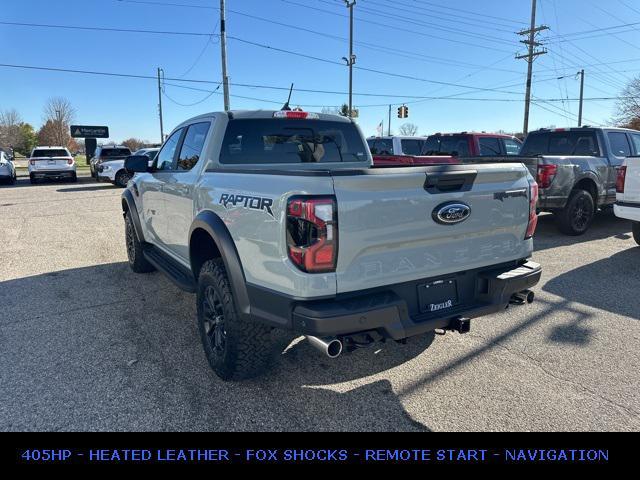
[372,46]
[468,12]
[452,18]
[413,21]
[395,28]
[106,29]
[271,87]
[277,49]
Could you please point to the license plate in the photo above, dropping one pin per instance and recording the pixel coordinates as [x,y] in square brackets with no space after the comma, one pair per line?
[51,162]
[438,296]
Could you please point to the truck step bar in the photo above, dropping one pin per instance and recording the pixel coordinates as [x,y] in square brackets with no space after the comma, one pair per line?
[178,274]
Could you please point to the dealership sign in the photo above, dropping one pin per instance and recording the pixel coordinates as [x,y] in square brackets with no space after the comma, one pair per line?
[84,131]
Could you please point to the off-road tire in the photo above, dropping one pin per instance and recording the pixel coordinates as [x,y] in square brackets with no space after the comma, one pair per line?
[635,227]
[245,348]
[576,217]
[137,262]
[122,178]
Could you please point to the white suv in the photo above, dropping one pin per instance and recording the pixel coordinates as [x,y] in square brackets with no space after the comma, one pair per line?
[52,162]
[114,171]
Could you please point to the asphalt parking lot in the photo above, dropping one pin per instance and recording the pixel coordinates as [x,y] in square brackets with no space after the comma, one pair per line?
[85,344]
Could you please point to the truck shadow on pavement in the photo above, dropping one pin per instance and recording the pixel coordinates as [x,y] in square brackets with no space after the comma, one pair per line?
[605,225]
[99,348]
[584,284]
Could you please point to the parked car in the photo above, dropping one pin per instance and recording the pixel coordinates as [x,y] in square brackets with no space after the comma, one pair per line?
[107,153]
[278,220]
[454,148]
[113,171]
[577,171]
[52,162]
[7,169]
[628,189]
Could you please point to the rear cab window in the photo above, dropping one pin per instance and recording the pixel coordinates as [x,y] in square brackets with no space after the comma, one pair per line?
[50,152]
[562,143]
[277,140]
[381,146]
[489,146]
[115,152]
[412,147]
[457,145]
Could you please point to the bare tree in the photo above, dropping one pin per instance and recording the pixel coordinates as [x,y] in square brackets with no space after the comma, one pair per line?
[628,107]
[408,129]
[134,144]
[60,113]
[10,122]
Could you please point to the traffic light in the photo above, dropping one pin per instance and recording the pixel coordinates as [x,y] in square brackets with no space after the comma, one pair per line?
[403,111]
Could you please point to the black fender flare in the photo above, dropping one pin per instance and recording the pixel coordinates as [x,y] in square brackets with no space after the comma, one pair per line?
[129,205]
[217,230]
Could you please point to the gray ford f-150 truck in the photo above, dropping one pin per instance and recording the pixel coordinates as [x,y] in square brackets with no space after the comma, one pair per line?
[277,220]
[577,170]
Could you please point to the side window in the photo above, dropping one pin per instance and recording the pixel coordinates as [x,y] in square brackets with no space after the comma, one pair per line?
[192,145]
[635,139]
[411,147]
[168,152]
[512,147]
[619,144]
[489,146]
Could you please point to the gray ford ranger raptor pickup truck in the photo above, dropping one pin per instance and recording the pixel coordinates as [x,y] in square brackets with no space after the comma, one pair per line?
[577,170]
[277,221]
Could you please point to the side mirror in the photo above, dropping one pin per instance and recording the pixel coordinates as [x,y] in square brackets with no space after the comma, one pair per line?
[137,163]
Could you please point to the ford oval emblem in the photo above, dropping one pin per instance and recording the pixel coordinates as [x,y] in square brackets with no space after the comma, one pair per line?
[451,212]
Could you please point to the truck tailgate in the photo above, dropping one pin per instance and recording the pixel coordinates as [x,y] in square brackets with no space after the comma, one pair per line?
[388,233]
[632,181]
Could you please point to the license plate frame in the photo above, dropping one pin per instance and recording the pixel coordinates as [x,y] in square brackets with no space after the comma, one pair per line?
[438,296]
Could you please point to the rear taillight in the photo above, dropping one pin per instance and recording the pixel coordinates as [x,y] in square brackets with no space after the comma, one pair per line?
[32,162]
[70,161]
[312,230]
[546,173]
[533,202]
[620,179]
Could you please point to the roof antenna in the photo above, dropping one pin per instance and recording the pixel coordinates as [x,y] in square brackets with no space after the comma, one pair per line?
[286,105]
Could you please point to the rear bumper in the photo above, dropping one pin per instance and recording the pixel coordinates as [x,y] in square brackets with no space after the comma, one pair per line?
[629,211]
[53,173]
[394,311]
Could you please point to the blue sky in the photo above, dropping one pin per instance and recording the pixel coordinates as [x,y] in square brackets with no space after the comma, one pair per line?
[470,44]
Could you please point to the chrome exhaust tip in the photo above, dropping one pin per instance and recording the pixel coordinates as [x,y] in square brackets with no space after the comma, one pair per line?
[520,298]
[331,347]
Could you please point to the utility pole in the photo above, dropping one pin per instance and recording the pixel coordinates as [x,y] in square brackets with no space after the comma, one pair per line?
[530,56]
[352,58]
[160,72]
[223,47]
[581,73]
[389,124]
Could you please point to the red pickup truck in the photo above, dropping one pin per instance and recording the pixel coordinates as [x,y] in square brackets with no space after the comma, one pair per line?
[450,148]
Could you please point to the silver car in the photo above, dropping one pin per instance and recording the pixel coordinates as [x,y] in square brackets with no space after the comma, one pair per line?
[7,169]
